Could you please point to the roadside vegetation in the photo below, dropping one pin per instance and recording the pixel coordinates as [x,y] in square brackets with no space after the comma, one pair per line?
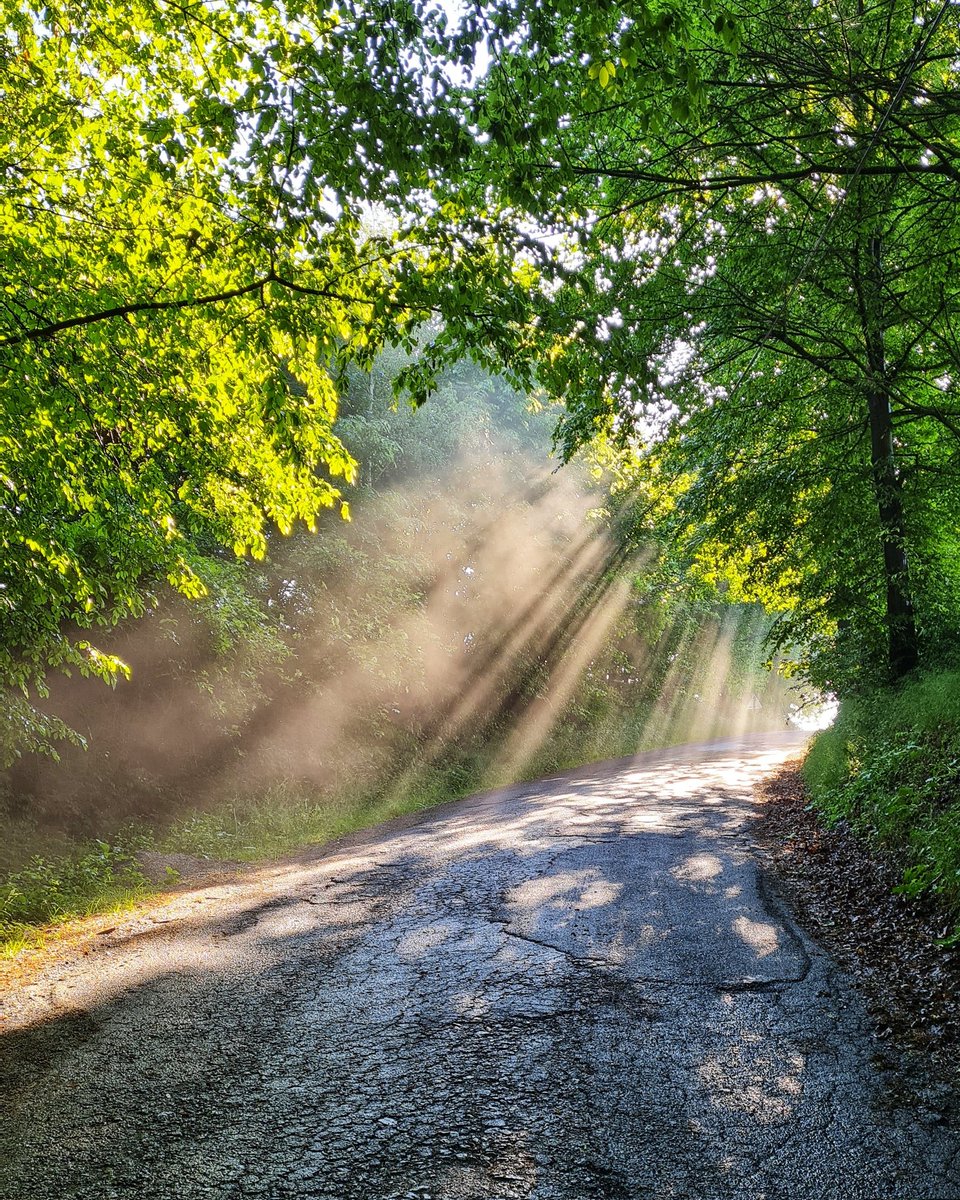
[890,768]
[479,620]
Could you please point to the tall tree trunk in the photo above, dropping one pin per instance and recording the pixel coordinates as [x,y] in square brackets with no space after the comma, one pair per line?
[903,647]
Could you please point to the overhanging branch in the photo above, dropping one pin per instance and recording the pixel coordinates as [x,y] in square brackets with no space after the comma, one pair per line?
[140,306]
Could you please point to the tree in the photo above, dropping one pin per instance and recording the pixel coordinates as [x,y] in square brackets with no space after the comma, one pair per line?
[760,288]
[713,231]
[188,202]
[209,211]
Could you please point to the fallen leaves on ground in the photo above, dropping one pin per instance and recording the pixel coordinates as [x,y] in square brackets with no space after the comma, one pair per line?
[842,892]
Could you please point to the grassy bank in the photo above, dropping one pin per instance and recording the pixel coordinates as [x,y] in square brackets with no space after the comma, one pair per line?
[890,767]
[66,879]
[80,878]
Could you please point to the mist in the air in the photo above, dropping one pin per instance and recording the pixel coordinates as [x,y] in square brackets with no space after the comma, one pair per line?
[476,617]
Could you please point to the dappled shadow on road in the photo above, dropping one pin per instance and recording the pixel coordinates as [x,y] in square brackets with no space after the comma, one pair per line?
[572,989]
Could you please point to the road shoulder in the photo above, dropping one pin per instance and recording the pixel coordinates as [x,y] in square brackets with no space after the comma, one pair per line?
[841,893]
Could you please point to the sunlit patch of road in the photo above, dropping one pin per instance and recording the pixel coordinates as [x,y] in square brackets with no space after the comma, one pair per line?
[574,988]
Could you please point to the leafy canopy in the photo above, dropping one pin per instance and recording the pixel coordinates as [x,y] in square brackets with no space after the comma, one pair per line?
[722,235]
[752,291]
[188,203]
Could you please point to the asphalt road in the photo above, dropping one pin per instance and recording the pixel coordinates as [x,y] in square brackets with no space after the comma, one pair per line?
[574,989]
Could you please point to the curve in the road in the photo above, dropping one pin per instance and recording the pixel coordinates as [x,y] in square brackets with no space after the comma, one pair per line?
[578,988]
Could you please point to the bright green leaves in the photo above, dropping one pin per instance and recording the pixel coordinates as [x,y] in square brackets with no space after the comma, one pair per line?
[728,31]
[193,254]
[137,443]
[604,72]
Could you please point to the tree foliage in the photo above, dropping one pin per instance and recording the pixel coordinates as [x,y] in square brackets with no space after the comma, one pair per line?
[723,235]
[188,206]
[753,289]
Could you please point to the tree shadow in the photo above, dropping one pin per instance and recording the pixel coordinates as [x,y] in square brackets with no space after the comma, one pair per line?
[573,989]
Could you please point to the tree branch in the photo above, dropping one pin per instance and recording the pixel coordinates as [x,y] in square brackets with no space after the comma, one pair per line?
[140,306]
[679,184]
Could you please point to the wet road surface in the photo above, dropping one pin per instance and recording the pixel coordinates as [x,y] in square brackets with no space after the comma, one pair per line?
[573,989]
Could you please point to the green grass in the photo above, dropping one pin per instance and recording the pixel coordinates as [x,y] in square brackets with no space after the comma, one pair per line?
[82,879]
[94,878]
[253,828]
[890,766]
[66,879]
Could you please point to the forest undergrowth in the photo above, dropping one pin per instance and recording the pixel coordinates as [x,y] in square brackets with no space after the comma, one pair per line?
[889,770]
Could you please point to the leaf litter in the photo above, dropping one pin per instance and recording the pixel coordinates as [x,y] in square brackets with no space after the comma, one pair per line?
[842,890]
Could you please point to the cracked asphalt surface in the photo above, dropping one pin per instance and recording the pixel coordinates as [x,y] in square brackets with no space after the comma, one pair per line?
[573,989]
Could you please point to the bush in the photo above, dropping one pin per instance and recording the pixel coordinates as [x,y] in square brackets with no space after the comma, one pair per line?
[98,877]
[890,766]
